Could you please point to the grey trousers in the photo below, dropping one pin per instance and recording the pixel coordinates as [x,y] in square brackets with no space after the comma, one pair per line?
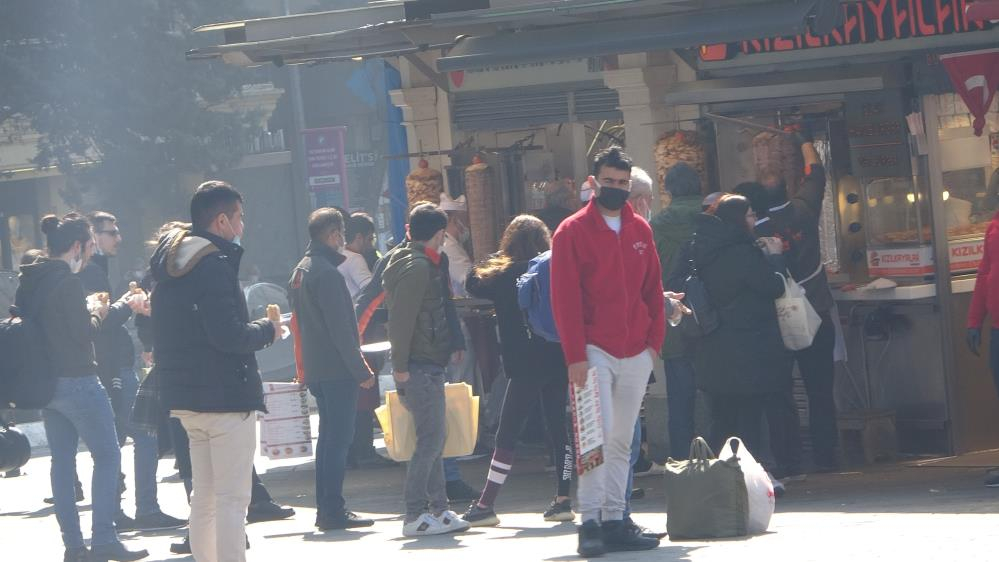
[423,396]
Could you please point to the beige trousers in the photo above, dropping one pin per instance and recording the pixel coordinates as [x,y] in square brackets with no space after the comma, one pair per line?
[222,451]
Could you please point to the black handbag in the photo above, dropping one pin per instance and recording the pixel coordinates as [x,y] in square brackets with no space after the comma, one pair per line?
[147,411]
[704,318]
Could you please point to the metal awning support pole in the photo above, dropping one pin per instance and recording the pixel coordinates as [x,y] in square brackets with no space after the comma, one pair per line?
[941,257]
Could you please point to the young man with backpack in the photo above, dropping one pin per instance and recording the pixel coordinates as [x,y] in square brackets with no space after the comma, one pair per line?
[608,304]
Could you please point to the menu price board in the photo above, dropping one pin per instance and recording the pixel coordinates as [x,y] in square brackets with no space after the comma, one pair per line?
[285,430]
[588,424]
[878,135]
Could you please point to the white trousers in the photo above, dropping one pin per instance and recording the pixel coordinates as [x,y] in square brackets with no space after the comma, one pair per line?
[222,450]
[622,383]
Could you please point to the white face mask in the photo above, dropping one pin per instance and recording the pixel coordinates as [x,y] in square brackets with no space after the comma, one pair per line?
[76,264]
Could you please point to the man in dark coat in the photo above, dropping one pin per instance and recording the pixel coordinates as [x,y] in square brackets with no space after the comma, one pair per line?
[116,368]
[203,346]
[331,357]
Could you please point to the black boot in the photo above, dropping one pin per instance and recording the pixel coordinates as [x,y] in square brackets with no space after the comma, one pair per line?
[591,542]
[76,555]
[619,536]
[117,552]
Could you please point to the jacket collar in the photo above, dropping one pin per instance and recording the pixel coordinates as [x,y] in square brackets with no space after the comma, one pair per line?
[233,251]
[592,212]
[318,249]
[101,261]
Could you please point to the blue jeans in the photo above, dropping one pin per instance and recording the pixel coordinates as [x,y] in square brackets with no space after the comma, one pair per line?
[681,394]
[636,452]
[81,409]
[337,402]
[146,450]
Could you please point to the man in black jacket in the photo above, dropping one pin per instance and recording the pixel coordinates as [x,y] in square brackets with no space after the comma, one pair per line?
[331,357]
[116,368]
[203,346]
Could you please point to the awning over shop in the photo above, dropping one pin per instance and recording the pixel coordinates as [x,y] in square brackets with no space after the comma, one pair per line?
[630,35]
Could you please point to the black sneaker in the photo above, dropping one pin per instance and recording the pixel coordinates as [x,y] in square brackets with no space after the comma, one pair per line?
[76,555]
[591,540]
[619,537]
[182,547]
[638,493]
[560,511]
[269,511]
[349,520]
[79,495]
[124,523]
[477,516]
[642,530]
[117,552]
[992,478]
[158,521]
[459,491]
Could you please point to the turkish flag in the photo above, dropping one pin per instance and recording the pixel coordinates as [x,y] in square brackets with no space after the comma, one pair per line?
[983,10]
[975,76]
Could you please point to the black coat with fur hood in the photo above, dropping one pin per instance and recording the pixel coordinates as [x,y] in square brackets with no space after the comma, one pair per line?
[203,341]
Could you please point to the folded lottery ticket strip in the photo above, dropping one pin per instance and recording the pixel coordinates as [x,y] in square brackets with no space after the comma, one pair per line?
[587,424]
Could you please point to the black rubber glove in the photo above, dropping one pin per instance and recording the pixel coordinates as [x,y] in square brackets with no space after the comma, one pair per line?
[974,340]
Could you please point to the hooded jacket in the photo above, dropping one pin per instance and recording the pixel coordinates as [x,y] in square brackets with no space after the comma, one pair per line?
[327,327]
[672,229]
[422,322]
[607,288]
[114,347]
[69,328]
[203,341]
[745,354]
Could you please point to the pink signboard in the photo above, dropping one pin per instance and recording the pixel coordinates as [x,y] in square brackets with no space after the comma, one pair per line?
[325,166]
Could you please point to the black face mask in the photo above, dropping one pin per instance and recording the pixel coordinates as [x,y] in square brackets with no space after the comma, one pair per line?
[612,198]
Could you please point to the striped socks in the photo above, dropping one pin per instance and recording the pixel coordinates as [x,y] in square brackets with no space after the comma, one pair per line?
[499,469]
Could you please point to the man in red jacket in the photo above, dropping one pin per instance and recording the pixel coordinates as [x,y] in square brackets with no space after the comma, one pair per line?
[607,300]
[985,301]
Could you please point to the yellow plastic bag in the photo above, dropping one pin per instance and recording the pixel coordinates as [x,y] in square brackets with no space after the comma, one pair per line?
[462,415]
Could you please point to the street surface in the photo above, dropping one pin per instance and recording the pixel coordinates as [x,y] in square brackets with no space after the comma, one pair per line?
[889,512]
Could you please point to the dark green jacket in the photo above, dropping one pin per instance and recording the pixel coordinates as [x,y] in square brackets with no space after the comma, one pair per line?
[672,229]
[417,300]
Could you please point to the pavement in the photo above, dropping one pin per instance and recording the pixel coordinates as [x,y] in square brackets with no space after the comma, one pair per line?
[885,512]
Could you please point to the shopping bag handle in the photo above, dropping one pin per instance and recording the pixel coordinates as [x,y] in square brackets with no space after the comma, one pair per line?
[700,450]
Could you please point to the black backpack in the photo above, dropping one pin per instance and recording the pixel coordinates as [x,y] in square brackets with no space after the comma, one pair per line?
[27,381]
[704,318]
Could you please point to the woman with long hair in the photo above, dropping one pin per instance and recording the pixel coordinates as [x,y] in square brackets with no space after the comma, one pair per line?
[536,369]
[51,292]
[743,365]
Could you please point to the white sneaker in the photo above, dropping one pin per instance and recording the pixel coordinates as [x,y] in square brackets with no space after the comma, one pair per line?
[452,522]
[424,525]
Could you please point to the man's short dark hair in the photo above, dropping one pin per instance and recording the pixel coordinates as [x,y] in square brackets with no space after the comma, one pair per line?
[425,221]
[682,180]
[210,199]
[756,194]
[613,157]
[359,223]
[99,219]
[323,221]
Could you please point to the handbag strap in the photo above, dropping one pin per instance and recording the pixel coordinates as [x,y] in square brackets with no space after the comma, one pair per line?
[700,451]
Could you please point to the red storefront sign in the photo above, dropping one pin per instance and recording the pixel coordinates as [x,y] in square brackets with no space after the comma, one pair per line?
[867,22]
[975,76]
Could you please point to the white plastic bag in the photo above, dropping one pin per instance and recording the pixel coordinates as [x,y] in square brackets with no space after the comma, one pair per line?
[797,318]
[759,489]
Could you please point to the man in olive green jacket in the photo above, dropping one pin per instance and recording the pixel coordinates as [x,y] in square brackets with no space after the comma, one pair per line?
[422,327]
[672,230]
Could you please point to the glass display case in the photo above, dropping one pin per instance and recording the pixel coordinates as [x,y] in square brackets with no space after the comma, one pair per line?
[970,197]
[897,227]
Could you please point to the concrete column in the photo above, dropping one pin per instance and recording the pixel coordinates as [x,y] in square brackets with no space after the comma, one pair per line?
[426,113]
